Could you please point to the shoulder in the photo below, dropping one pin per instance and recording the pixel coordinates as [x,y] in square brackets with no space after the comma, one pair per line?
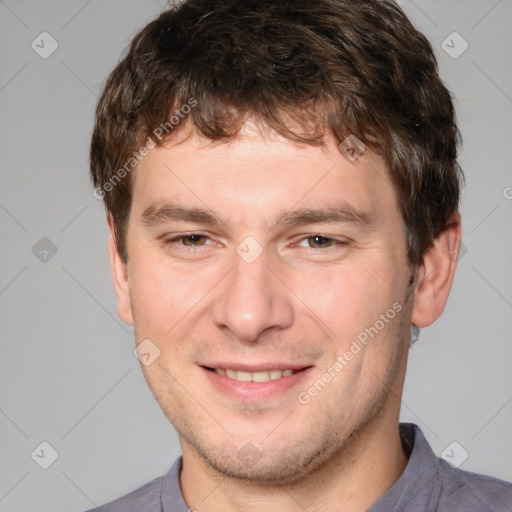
[145,499]
[431,484]
[463,490]
[160,494]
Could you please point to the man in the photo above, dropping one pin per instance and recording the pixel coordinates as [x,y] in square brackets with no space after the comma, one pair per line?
[281,187]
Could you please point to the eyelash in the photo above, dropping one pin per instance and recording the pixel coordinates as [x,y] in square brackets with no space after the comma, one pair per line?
[333,241]
[179,238]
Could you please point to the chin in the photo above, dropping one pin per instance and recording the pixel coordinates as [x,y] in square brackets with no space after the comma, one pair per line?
[275,464]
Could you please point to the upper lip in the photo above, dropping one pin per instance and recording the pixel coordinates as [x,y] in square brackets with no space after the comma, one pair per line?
[260,367]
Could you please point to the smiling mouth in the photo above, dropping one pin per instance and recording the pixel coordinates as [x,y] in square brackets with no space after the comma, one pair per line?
[261,376]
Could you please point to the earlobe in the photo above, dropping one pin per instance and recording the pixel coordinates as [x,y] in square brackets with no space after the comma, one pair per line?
[119,277]
[436,273]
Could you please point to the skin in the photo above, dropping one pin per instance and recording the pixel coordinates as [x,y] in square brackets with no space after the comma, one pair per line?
[295,304]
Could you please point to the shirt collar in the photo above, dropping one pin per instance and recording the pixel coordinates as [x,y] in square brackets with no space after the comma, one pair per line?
[417,487]
[172,498]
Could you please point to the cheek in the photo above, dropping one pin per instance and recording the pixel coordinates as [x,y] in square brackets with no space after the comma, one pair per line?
[158,295]
[167,295]
[349,298]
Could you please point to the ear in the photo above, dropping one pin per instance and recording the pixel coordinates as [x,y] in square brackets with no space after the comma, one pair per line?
[436,273]
[120,277]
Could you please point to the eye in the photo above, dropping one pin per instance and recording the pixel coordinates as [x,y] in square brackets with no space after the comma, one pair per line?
[189,240]
[320,242]
[193,240]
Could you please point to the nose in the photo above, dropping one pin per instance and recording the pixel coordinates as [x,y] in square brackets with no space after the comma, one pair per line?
[251,300]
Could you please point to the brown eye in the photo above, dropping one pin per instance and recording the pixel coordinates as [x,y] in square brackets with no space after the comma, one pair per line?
[319,242]
[193,240]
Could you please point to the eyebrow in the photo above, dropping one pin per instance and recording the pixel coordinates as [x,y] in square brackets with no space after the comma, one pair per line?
[343,213]
[158,214]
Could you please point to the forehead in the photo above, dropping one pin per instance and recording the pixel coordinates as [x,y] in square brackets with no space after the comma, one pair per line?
[260,173]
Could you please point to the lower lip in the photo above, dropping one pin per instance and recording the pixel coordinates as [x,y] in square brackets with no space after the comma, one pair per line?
[255,391]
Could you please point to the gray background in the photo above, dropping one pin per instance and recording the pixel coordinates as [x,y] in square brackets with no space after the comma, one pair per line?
[68,375]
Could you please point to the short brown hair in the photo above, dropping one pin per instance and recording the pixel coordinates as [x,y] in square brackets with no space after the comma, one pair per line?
[327,66]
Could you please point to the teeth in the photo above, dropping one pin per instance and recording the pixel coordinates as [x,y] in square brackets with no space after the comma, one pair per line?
[243,376]
[253,376]
[260,377]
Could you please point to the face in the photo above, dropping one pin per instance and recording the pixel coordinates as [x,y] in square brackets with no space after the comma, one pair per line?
[272,278]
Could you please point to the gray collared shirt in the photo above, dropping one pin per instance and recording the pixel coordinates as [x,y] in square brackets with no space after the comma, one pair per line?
[428,484]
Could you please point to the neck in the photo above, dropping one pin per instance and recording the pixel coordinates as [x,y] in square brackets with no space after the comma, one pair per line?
[367,466]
